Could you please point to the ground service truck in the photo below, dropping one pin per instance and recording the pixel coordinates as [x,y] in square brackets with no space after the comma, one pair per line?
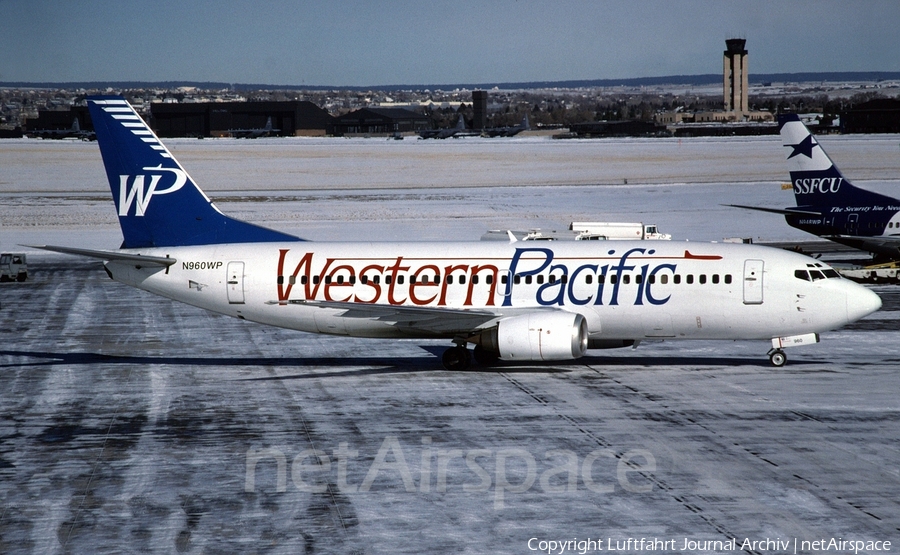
[13,267]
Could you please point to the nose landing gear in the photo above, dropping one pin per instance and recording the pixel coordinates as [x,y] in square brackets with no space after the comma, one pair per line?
[777,357]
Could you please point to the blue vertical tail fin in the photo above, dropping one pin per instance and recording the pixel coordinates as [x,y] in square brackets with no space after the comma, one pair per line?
[817,181]
[158,203]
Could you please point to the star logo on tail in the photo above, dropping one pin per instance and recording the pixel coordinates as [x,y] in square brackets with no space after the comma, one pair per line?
[804,147]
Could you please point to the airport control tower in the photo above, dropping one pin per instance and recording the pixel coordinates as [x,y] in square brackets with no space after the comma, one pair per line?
[735,77]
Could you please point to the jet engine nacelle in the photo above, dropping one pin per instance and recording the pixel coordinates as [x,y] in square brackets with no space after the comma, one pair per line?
[541,336]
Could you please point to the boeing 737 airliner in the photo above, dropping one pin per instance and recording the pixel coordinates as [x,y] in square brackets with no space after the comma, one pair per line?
[515,301]
[828,205]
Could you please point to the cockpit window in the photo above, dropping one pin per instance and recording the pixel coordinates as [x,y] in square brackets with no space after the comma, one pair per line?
[823,272]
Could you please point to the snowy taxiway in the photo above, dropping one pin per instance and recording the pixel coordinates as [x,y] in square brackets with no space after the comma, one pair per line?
[131,423]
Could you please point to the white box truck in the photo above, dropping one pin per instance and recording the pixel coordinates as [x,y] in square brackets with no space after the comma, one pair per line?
[617,231]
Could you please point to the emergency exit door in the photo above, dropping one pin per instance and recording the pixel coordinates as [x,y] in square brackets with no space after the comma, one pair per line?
[753,282]
[235,282]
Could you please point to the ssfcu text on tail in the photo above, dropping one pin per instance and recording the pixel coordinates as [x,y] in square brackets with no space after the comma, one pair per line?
[828,205]
[514,301]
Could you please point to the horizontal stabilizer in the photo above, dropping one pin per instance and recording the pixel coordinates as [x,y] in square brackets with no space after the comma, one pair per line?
[110,255]
[783,211]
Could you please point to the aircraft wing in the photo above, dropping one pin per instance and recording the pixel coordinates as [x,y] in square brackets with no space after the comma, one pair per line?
[886,245]
[439,321]
[782,211]
[110,255]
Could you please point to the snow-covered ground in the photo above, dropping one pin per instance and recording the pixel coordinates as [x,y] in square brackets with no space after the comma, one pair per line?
[329,189]
[129,423]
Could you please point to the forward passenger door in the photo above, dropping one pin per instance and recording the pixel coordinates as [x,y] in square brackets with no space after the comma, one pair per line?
[753,281]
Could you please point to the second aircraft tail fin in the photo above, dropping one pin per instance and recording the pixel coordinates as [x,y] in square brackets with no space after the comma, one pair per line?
[817,181]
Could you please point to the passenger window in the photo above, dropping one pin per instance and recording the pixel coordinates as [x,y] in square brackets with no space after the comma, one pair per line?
[540,279]
[588,279]
[638,279]
[702,279]
[400,279]
[475,280]
[489,279]
[462,280]
[626,279]
[612,279]
[690,279]
[664,279]
[715,278]
[504,279]
[528,280]
[728,279]
[364,279]
[677,279]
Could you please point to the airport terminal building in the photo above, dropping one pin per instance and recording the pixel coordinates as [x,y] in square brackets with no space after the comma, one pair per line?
[379,121]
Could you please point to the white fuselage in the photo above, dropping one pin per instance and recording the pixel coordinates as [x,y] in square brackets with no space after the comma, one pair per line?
[624,289]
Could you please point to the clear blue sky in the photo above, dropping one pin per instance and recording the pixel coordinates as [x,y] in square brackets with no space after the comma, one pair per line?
[335,42]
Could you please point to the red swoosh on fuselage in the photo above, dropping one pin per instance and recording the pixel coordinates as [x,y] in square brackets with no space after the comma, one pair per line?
[689,256]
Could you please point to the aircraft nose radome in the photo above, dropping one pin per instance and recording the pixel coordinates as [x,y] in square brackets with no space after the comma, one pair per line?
[861,302]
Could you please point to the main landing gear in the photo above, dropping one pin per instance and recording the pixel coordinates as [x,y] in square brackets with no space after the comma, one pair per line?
[457,358]
[777,357]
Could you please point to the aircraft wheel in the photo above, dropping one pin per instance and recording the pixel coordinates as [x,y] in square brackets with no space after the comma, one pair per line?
[455,359]
[485,357]
[778,358]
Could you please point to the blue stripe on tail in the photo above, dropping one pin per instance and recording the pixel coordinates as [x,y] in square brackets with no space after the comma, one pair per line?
[158,203]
